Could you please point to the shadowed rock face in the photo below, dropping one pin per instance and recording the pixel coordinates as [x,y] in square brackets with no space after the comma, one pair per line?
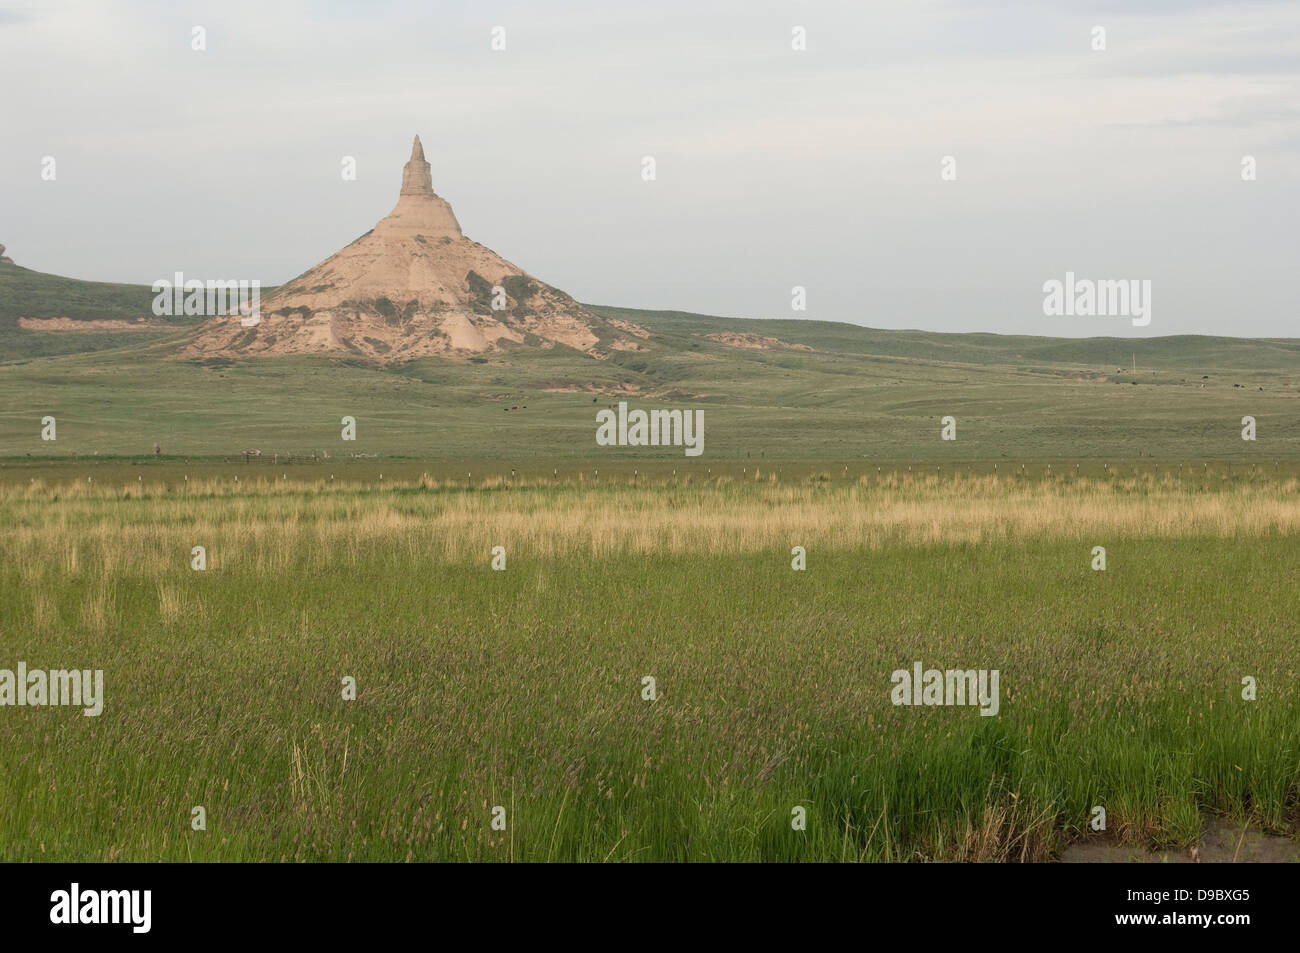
[413,286]
[10,261]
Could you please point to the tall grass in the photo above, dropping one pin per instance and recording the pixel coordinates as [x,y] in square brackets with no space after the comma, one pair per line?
[523,688]
[270,526]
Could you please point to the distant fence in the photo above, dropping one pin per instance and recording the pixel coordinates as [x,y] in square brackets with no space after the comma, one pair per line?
[286,459]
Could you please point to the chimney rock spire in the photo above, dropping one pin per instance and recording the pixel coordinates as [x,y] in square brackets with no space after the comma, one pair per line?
[417,179]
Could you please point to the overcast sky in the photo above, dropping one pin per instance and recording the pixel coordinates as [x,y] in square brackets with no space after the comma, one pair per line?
[775,167]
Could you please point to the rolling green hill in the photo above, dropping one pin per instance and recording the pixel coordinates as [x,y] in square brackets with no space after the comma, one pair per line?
[1189,351]
[32,294]
[771,389]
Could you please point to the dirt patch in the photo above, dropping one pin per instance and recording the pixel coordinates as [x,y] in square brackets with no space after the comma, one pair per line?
[759,342]
[68,324]
[634,329]
[1222,842]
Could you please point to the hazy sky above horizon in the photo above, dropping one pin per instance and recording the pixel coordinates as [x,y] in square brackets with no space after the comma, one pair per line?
[775,167]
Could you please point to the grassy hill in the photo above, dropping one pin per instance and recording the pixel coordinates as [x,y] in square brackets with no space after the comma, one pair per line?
[796,390]
[33,294]
[1189,351]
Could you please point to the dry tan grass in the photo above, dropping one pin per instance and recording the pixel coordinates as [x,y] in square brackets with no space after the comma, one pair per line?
[172,605]
[96,610]
[45,614]
[268,528]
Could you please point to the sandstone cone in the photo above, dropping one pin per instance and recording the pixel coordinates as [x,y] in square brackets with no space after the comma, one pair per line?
[411,287]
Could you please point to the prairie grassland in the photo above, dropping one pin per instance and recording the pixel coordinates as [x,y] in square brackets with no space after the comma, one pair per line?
[268,525]
[523,688]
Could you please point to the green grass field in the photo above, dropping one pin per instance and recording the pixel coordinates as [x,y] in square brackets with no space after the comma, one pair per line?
[459,410]
[856,394]
[523,688]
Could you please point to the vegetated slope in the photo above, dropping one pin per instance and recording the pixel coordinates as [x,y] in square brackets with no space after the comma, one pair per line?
[43,314]
[1188,351]
[35,294]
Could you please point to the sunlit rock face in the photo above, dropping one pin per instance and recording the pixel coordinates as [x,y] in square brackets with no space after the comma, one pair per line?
[413,286]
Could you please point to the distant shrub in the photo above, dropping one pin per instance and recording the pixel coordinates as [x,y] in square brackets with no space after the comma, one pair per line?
[519,287]
[212,362]
[481,291]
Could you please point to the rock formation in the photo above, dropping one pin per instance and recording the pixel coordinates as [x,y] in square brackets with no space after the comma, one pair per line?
[3,259]
[413,286]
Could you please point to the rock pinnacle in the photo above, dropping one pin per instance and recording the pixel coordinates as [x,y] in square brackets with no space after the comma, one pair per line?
[417,179]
